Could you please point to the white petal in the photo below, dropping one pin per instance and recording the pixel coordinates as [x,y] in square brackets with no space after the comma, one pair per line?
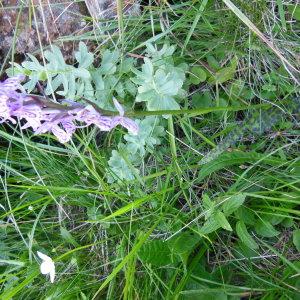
[45,267]
[52,274]
[44,256]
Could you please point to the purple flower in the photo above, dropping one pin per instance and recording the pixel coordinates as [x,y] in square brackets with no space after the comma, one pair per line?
[8,90]
[62,135]
[61,120]
[11,84]
[4,109]
[90,116]
[124,121]
[32,113]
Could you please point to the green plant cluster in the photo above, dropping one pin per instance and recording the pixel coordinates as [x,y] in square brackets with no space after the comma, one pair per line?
[200,205]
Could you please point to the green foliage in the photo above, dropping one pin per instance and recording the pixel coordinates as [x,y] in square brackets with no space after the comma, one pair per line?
[120,239]
[202,294]
[66,80]
[121,167]
[265,229]
[244,235]
[81,80]
[160,81]
[66,235]
[294,10]
[296,239]
[156,253]
[197,75]
[135,149]
[233,203]
[216,215]
[221,219]
[150,133]
[184,242]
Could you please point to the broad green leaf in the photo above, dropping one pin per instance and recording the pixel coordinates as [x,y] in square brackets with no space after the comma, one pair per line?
[246,215]
[184,242]
[288,222]
[265,228]
[207,202]
[224,74]
[233,203]
[94,214]
[244,235]
[220,217]
[274,219]
[294,10]
[156,253]
[209,206]
[211,225]
[269,87]
[197,75]
[213,63]
[200,100]
[296,239]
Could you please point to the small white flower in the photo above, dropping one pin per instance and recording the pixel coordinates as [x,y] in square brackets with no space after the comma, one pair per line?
[47,266]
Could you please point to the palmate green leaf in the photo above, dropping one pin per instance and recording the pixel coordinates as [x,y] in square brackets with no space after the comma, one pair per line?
[160,91]
[62,78]
[159,86]
[243,234]
[296,239]
[150,133]
[162,56]
[233,203]
[265,228]
[109,62]
[83,56]
[120,168]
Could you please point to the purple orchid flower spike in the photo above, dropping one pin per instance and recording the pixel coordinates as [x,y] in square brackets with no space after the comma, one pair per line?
[90,116]
[129,124]
[11,84]
[62,135]
[8,90]
[5,109]
[60,119]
